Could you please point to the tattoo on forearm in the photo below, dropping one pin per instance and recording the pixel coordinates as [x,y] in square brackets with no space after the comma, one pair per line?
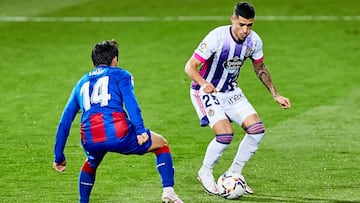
[264,75]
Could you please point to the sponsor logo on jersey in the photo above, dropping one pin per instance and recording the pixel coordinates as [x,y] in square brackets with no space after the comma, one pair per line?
[233,65]
[236,98]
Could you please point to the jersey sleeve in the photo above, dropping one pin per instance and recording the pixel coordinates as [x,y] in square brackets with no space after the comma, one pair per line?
[207,46]
[258,55]
[64,126]
[131,104]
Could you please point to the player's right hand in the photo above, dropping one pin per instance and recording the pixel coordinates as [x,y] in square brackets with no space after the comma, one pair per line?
[60,167]
[144,137]
[208,88]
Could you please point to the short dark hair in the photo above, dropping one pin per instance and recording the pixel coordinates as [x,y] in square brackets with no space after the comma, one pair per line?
[245,10]
[104,52]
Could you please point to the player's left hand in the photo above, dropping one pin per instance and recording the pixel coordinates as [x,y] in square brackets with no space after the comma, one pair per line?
[283,101]
[60,167]
[144,137]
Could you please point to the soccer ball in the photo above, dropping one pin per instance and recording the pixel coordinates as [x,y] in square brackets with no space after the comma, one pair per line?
[231,185]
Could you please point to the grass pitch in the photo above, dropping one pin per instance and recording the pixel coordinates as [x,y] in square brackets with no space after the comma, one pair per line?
[310,153]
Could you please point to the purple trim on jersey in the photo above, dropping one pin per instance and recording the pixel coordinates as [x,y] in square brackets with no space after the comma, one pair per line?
[231,79]
[224,54]
[227,83]
[238,49]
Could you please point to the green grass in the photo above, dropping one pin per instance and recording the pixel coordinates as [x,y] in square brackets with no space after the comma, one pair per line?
[310,153]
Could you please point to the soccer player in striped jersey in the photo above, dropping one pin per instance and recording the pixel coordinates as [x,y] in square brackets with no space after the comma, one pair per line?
[215,94]
[105,126]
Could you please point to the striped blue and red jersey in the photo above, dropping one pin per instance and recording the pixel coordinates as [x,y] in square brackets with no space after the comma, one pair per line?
[101,96]
[222,57]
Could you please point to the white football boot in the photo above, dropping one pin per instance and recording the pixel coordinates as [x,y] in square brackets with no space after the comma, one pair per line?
[170,198]
[207,180]
[248,190]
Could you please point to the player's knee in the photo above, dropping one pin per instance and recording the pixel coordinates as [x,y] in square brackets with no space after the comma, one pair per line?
[158,139]
[256,128]
[224,138]
[87,168]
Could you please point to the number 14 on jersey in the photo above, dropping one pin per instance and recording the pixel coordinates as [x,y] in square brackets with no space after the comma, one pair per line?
[99,95]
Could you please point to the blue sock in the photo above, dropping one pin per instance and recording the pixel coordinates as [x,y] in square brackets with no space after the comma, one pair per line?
[86,182]
[164,165]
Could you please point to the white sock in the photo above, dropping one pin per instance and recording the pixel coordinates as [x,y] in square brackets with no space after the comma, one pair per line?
[169,190]
[213,153]
[246,150]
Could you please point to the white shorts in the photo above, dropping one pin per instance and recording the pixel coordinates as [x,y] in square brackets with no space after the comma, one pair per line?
[218,106]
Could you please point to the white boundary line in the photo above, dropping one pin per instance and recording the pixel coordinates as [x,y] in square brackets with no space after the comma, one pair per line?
[171,18]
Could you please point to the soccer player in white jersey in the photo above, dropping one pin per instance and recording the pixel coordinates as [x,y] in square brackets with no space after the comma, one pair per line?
[218,100]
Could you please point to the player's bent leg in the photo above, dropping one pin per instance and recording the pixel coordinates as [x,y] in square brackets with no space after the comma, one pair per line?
[158,141]
[164,165]
[86,181]
[254,133]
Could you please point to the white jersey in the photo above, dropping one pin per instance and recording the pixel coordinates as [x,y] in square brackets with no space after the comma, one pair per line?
[222,57]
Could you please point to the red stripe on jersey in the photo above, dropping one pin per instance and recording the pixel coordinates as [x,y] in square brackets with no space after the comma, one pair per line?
[120,124]
[164,149]
[97,128]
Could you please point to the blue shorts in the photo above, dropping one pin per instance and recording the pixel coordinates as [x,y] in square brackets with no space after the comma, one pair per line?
[127,145]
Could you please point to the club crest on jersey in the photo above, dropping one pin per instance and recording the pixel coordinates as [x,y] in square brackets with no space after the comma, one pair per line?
[248,52]
[233,65]
[211,112]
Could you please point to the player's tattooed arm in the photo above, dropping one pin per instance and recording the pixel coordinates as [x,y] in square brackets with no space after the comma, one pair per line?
[264,75]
